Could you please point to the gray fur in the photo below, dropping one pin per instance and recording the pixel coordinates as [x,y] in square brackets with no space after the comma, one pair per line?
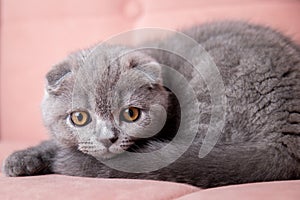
[260,141]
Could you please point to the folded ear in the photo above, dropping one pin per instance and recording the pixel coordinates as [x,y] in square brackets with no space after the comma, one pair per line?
[152,70]
[57,77]
[146,64]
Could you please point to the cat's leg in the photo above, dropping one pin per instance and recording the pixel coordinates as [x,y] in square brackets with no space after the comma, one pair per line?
[32,161]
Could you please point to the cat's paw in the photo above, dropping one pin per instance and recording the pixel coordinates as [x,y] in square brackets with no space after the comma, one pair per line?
[23,163]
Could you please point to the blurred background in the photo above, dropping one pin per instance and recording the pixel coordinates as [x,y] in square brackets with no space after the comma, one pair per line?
[36,34]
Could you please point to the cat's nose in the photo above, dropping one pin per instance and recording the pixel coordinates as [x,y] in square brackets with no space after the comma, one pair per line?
[107,142]
[113,139]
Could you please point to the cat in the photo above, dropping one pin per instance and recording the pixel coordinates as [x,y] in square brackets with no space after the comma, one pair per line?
[98,117]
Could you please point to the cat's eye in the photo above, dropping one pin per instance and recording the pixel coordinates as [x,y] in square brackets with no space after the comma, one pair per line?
[130,114]
[80,118]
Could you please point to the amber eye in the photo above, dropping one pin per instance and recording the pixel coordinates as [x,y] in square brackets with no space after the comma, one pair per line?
[80,118]
[130,114]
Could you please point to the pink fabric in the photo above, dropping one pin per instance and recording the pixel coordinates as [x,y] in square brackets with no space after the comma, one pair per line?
[67,187]
[280,190]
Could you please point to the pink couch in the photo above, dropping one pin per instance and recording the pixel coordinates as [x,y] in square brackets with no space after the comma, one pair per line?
[37,34]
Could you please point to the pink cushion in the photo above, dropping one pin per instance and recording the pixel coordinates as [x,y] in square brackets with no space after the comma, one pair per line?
[67,187]
[279,190]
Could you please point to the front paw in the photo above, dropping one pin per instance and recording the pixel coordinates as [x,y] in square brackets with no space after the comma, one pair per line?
[23,163]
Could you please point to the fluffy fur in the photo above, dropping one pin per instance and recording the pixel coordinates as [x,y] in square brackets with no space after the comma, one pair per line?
[260,141]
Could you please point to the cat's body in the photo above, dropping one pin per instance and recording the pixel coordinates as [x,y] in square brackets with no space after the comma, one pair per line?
[260,140]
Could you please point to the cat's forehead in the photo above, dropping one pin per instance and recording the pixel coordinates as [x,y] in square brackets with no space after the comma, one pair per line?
[105,65]
[103,78]
[99,59]
[100,66]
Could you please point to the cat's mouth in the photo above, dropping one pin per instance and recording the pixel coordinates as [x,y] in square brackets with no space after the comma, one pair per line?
[100,152]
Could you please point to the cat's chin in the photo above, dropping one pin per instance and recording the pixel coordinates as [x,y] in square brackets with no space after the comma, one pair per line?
[105,156]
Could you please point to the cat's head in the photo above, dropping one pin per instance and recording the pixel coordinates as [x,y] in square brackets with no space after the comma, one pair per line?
[102,100]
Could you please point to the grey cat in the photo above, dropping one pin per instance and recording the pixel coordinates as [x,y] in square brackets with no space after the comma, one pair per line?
[94,118]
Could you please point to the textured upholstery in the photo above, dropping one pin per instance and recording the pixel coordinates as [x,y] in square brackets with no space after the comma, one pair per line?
[66,187]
